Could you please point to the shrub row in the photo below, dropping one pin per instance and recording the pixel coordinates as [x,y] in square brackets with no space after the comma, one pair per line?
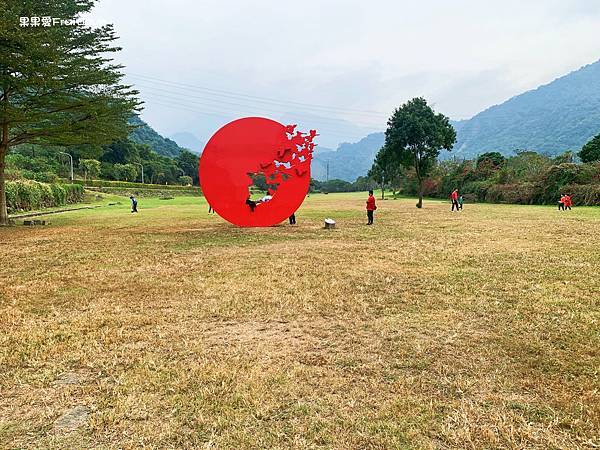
[130,185]
[522,193]
[584,194]
[26,195]
[152,192]
[531,193]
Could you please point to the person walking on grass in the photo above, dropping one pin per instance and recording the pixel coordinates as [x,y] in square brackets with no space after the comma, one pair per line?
[460,202]
[211,210]
[371,207]
[561,202]
[567,202]
[454,198]
[133,204]
[293,219]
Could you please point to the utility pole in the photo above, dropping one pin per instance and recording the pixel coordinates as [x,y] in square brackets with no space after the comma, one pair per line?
[139,164]
[70,159]
[327,170]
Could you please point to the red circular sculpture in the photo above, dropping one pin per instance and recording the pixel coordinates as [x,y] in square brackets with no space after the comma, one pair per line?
[253,147]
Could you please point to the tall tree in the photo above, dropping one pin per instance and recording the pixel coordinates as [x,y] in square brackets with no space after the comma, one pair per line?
[385,169]
[90,168]
[416,134]
[590,152]
[125,172]
[494,159]
[58,85]
[189,164]
[121,152]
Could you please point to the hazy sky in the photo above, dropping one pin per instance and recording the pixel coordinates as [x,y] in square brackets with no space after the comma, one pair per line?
[341,66]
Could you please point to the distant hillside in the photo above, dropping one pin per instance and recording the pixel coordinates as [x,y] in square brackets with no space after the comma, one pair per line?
[144,134]
[189,141]
[559,116]
[349,161]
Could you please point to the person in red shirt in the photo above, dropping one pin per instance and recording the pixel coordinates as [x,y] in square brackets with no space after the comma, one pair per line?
[370,208]
[567,202]
[454,198]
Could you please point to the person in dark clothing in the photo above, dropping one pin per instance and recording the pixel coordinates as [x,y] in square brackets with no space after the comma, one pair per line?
[133,204]
[251,203]
[293,219]
[211,210]
[561,202]
[460,202]
[371,207]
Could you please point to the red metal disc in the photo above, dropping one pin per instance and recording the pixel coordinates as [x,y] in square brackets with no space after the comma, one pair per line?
[255,145]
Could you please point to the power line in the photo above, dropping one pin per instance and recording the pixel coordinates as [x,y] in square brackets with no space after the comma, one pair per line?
[254,97]
[225,109]
[187,96]
[248,109]
[237,95]
[225,113]
[169,104]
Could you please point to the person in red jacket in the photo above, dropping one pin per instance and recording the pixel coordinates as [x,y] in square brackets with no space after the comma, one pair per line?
[567,201]
[454,198]
[370,208]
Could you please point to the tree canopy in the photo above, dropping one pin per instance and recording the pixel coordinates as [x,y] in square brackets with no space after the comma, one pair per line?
[90,167]
[590,152]
[416,135]
[386,169]
[494,158]
[58,84]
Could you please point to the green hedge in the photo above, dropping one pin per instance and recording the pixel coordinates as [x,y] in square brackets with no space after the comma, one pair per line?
[537,194]
[142,192]
[475,190]
[523,193]
[129,185]
[584,194]
[26,195]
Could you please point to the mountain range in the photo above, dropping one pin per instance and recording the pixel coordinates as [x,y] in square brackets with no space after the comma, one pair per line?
[188,140]
[556,117]
[349,161]
[559,116]
[145,134]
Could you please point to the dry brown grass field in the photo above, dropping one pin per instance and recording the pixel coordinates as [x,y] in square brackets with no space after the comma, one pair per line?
[430,329]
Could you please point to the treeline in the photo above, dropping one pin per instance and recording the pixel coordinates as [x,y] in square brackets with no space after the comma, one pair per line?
[361,184]
[526,178]
[335,185]
[119,161]
[408,163]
